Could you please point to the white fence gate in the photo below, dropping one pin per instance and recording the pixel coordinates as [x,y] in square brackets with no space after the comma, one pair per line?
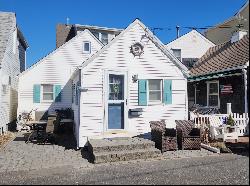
[241,120]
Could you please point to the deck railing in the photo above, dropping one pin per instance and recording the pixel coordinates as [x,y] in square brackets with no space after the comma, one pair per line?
[241,120]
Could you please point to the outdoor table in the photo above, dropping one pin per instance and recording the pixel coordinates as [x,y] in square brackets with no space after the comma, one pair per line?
[62,121]
[34,125]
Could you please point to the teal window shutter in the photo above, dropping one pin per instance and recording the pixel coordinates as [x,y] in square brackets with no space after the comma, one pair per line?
[57,93]
[142,92]
[167,98]
[36,93]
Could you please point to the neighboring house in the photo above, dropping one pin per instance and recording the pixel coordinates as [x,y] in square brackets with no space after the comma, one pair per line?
[131,81]
[189,47]
[46,85]
[220,76]
[222,32]
[65,32]
[12,62]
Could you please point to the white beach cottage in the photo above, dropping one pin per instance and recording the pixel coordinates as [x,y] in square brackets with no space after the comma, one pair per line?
[131,81]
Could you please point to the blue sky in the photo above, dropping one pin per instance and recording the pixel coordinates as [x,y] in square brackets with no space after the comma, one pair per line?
[38,18]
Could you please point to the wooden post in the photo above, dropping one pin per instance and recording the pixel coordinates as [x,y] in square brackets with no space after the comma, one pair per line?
[245,85]
[229,108]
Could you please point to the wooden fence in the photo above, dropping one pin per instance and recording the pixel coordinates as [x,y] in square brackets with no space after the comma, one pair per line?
[241,120]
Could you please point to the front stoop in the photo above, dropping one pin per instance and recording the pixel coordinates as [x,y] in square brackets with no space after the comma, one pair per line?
[121,149]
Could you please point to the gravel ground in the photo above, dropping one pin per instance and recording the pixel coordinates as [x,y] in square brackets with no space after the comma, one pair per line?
[227,169]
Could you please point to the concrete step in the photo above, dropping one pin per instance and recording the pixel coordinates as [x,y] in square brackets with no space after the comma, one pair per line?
[125,155]
[118,144]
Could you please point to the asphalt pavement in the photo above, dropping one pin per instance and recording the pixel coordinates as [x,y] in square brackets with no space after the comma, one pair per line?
[224,169]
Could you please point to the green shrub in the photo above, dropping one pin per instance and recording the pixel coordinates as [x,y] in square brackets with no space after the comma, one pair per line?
[230,121]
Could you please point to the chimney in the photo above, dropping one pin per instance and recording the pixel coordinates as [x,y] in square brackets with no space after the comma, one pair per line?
[238,35]
[64,32]
[178,31]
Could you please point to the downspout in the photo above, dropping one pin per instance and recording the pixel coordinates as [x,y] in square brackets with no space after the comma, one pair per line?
[79,108]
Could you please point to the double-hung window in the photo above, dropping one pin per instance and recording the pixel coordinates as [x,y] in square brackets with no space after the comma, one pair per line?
[86,47]
[48,93]
[154,91]
[213,94]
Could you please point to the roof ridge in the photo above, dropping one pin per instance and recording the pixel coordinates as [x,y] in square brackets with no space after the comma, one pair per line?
[161,47]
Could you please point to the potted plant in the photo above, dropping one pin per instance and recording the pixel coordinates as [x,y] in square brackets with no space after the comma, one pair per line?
[230,122]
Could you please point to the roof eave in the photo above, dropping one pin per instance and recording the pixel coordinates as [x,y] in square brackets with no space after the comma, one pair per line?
[219,72]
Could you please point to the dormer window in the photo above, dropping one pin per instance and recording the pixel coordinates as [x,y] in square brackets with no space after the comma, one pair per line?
[86,47]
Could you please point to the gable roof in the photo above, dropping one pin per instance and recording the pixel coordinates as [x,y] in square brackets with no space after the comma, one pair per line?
[7,26]
[59,48]
[151,36]
[190,33]
[223,57]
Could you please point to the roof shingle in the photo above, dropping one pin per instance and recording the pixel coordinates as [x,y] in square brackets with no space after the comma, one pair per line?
[221,57]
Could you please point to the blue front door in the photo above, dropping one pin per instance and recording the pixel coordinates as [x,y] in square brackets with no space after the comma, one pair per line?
[116,101]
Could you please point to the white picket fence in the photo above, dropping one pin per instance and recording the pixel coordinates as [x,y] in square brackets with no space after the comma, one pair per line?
[241,120]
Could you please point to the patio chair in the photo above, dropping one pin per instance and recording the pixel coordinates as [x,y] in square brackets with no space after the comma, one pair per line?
[165,139]
[188,137]
[218,131]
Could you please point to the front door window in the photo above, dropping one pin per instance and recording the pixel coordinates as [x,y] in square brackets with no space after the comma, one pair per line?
[116,101]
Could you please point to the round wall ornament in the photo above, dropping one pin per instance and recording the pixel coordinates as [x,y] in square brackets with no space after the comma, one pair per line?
[137,49]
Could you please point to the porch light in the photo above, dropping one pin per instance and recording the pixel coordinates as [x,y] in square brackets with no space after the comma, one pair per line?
[135,78]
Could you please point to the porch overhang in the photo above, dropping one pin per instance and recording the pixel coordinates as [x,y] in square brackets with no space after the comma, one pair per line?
[215,75]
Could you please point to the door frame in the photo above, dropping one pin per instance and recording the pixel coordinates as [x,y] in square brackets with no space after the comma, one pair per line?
[106,97]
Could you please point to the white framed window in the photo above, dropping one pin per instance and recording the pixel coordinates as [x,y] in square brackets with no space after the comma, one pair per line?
[47,92]
[86,47]
[213,99]
[177,53]
[96,34]
[155,91]
[104,38]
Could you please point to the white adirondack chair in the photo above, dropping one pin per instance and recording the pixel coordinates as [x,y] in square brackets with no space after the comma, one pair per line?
[219,131]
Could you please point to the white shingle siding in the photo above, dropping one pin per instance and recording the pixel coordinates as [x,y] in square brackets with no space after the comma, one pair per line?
[192,45]
[56,68]
[153,64]
[10,69]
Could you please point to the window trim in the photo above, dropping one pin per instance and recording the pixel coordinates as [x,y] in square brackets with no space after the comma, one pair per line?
[161,90]
[83,47]
[213,94]
[42,96]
